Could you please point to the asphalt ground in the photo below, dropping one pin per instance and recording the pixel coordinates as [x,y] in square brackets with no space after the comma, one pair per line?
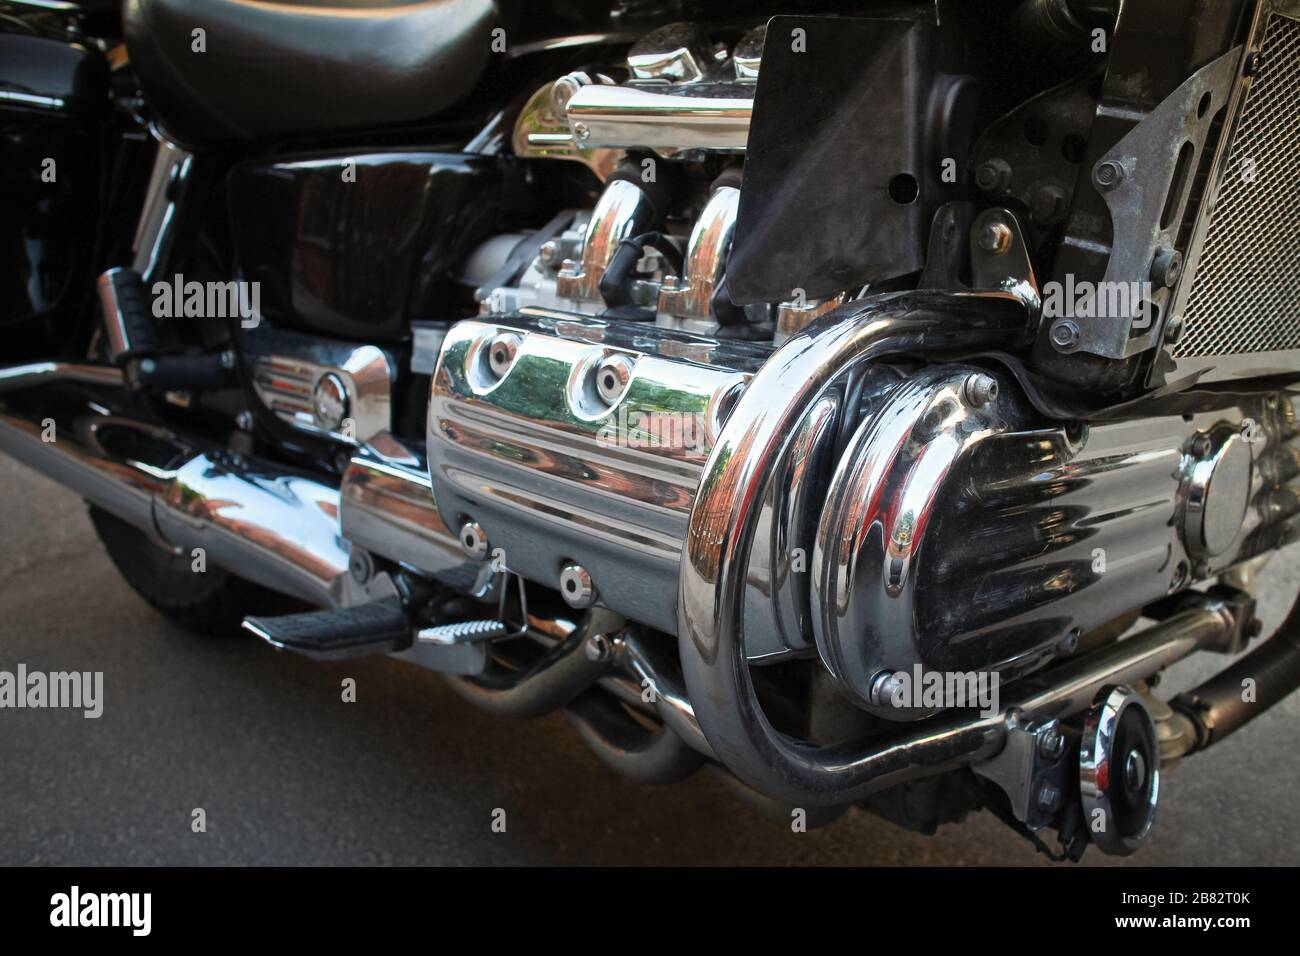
[287,773]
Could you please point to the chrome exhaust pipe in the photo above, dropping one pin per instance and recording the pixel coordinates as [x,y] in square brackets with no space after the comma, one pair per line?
[40,373]
[277,529]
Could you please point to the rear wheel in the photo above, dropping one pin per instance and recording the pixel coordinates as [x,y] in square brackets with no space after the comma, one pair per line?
[211,601]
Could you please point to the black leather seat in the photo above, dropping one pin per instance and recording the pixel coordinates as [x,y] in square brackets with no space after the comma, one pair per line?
[278,68]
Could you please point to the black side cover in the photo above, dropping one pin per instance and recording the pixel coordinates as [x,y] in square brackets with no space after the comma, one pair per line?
[844,167]
[360,256]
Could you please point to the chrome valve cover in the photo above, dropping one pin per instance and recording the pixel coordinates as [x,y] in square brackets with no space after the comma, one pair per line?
[572,440]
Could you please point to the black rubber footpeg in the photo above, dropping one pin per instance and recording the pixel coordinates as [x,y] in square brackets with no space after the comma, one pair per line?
[186,373]
[379,627]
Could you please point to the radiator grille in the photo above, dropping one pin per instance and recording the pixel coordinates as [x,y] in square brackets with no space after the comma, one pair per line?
[1245,294]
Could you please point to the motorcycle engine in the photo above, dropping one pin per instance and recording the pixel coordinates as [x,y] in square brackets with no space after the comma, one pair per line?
[926,517]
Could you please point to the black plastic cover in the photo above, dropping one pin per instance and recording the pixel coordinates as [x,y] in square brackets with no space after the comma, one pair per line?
[844,166]
[359,245]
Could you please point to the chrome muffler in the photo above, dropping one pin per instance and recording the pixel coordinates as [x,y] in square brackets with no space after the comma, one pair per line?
[280,530]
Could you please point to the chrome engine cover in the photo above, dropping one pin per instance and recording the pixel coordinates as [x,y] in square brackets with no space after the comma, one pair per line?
[556,474]
[947,534]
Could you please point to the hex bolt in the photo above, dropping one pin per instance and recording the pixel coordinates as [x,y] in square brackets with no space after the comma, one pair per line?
[502,352]
[995,238]
[993,175]
[883,686]
[549,252]
[576,586]
[1166,266]
[1108,175]
[980,389]
[1052,742]
[1065,335]
[599,648]
[1173,329]
[581,131]
[1254,63]
[244,421]
[613,373]
[474,540]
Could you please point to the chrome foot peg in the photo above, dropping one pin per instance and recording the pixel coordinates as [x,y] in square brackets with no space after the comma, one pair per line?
[461,647]
[463,632]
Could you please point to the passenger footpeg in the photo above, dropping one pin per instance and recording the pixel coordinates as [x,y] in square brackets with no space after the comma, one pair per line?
[380,627]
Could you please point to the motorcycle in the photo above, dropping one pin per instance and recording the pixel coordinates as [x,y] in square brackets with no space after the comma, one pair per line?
[867,401]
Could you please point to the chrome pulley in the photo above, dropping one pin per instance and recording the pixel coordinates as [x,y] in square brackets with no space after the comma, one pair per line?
[1119,770]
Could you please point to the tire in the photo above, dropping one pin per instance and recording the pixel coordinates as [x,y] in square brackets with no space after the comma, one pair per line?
[211,603]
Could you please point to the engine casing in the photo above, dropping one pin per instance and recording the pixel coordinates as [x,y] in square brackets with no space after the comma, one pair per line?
[946,534]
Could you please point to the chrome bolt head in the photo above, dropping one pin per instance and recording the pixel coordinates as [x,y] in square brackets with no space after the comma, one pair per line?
[1052,742]
[995,238]
[613,373]
[502,352]
[581,131]
[883,686]
[981,389]
[473,540]
[576,586]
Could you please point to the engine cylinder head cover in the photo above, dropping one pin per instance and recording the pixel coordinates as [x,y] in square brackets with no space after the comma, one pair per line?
[1119,770]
